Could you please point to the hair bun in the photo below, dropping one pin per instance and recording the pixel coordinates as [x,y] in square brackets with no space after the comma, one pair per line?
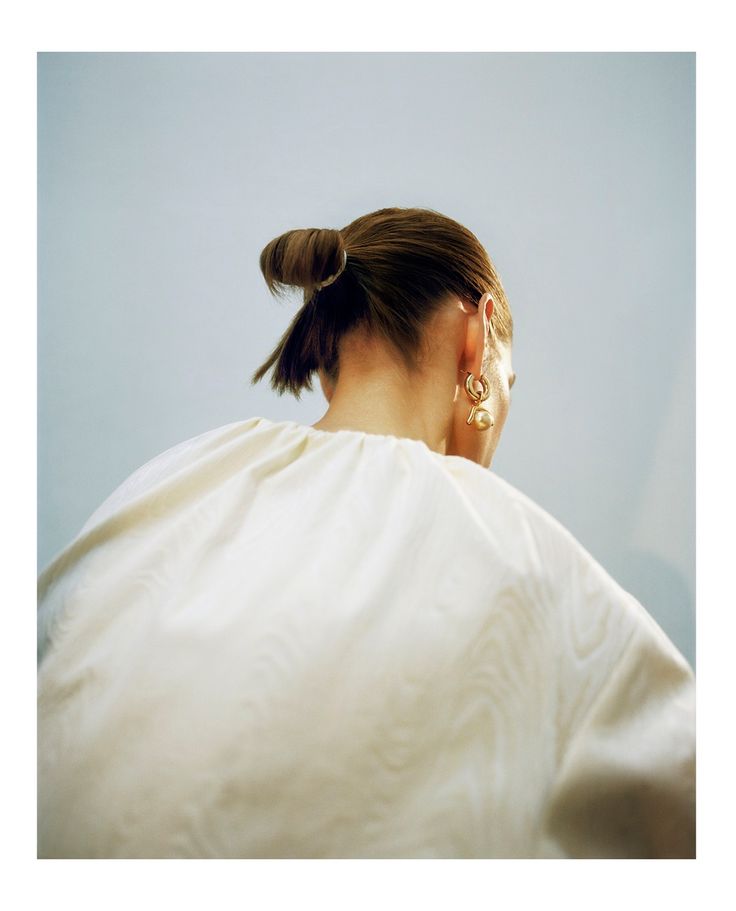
[303,258]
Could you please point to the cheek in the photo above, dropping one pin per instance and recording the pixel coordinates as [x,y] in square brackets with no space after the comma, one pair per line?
[507,399]
[502,412]
[501,397]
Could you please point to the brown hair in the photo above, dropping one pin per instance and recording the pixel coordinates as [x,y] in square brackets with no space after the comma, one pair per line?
[401,265]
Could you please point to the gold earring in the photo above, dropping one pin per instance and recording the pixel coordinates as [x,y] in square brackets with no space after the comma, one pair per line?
[478,416]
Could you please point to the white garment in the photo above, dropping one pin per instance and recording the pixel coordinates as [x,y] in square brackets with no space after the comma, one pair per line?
[278,641]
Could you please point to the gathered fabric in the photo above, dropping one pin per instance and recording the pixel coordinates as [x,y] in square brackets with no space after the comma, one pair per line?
[273,641]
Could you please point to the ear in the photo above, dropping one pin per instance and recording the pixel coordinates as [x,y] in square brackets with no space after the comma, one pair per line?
[479,328]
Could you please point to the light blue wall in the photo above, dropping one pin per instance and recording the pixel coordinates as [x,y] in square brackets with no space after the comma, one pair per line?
[162,176]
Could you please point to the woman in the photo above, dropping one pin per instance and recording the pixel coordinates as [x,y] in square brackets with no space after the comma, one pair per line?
[349,639]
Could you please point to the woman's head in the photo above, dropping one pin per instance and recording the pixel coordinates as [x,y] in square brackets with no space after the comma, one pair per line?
[402,266]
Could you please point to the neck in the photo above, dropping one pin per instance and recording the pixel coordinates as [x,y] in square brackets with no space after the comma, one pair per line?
[374,396]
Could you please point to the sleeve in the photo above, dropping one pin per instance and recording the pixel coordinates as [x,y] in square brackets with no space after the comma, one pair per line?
[626,784]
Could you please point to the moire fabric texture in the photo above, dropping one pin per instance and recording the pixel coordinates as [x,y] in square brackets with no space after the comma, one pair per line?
[273,641]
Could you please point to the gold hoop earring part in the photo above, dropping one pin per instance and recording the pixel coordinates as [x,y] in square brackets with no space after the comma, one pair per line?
[478,416]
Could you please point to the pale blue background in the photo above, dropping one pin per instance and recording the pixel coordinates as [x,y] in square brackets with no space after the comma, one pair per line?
[162,176]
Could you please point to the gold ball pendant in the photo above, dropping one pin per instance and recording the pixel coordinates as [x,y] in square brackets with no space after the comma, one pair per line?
[482,420]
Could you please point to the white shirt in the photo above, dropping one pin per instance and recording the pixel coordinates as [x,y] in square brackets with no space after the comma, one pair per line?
[278,641]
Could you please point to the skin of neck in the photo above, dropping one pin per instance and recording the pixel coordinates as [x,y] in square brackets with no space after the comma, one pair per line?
[374,393]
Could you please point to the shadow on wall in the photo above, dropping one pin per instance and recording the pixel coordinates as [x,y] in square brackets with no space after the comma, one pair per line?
[664,592]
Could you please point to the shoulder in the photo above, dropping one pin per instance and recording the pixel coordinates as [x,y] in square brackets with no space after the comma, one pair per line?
[170,463]
[167,463]
[588,601]
[511,516]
